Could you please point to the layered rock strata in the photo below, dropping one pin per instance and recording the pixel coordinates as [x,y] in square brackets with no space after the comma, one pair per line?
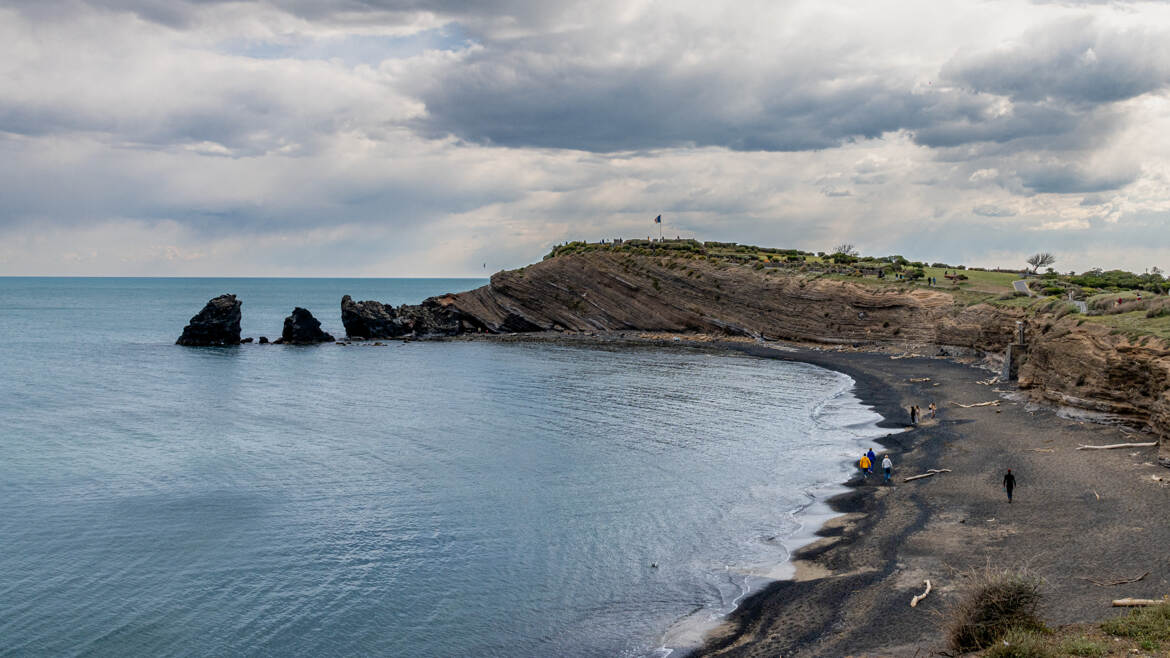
[217,324]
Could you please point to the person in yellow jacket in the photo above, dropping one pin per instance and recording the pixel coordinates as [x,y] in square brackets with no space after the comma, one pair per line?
[865,466]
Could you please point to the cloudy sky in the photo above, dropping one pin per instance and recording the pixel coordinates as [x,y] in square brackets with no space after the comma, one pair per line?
[429,138]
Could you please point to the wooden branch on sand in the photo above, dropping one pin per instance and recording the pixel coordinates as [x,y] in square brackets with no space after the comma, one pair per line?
[929,473]
[919,379]
[914,601]
[993,403]
[1135,603]
[1120,445]
[1110,583]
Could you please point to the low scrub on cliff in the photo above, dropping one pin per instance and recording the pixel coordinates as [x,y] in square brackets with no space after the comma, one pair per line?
[995,602]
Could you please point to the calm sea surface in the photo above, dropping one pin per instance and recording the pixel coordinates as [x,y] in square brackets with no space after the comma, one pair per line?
[421,499]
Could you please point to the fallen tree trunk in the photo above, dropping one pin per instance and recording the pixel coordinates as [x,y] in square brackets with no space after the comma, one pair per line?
[930,473]
[1136,603]
[993,403]
[914,601]
[1120,445]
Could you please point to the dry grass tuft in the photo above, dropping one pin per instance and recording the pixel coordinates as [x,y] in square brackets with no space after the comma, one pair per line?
[996,601]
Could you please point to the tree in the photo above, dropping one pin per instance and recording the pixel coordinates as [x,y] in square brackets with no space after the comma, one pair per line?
[1039,260]
[846,248]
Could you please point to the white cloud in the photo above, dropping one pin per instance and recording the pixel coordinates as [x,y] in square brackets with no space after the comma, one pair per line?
[399,137]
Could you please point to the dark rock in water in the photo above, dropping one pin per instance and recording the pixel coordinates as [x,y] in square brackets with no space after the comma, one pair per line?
[263,340]
[374,320]
[217,324]
[247,340]
[301,328]
[370,319]
[278,341]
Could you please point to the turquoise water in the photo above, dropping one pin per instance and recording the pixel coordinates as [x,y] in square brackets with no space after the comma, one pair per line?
[418,499]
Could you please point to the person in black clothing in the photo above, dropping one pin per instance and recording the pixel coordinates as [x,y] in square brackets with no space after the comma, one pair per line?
[1009,483]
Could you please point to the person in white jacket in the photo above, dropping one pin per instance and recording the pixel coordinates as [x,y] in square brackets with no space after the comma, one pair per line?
[887,466]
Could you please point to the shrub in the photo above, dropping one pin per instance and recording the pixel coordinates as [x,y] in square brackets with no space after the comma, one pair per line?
[1054,290]
[996,601]
[1018,643]
[1159,308]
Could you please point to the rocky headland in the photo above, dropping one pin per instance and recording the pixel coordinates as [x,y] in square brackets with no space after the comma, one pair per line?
[1059,357]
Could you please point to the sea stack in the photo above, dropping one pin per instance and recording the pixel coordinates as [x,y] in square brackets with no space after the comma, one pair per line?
[301,328]
[217,324]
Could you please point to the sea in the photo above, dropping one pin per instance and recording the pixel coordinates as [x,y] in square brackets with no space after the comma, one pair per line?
[447,498]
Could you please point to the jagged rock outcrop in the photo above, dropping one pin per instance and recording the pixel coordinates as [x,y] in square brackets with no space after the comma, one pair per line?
[217,324]
[301,328]
[434,317]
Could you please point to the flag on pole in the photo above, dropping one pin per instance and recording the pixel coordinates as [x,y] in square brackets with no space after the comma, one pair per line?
[658,219]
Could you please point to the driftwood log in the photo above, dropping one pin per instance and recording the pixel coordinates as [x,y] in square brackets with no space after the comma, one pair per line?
[993,403]
[1136,603]
[930,473]
[914,601]
[1110,583]
[1120,445]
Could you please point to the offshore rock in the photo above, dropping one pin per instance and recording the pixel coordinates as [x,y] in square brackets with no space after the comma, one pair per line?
[374,320]
[301,328]
[370,319]
[217,324]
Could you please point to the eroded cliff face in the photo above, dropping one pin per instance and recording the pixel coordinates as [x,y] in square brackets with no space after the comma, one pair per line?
[1068,361]
[615,291]
[1086,365]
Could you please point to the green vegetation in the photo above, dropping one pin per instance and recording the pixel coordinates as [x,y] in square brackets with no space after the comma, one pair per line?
[1019,643]
[1082,646]
[1150,627]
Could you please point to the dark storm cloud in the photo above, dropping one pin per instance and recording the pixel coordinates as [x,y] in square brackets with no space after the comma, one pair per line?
[1065,178]
[573,104]
[1076,61]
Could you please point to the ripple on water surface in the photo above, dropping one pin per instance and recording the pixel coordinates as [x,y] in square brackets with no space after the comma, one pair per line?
[422,499]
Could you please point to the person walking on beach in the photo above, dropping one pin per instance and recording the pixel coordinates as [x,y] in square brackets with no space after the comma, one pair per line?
[887,466]
[1009,483]
[913,416]
[932,408]
[872,459]
[865,466]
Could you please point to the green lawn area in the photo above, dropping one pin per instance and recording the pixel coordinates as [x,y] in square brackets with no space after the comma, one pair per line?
[977,280]
[1135,323]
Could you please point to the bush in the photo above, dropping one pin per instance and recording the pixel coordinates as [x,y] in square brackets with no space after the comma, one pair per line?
[1159,308]
[996,601]
[1018,643]
[1053,290]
